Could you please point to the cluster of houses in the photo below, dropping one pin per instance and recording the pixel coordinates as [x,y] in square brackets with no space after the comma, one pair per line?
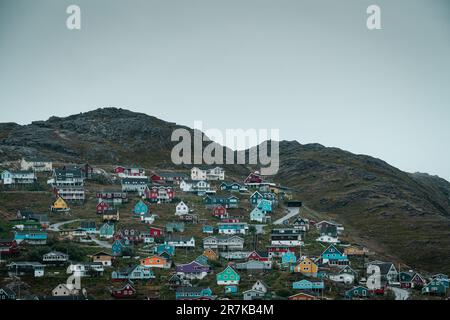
[229,251]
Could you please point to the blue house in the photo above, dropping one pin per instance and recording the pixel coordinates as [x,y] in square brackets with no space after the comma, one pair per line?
[141,209]
[308,285]
[288,257]
[159,249]
[208,229]
[107,230]
[89,226]
[137,272]
[265,205]
[257,196]
[333,256]
[234,186]
[232,227]
[193,293]
[30,236]
[231,289]
[119,248]
[203,260]
[357,292]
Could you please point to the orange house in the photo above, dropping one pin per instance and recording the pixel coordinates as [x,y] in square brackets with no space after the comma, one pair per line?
[155,262]
[307,267]
[210,254]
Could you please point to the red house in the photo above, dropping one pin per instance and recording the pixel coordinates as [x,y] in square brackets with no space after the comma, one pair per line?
[159,194]
[220,212]
[155,232]
[253,179]
[277,250]
[258,256]
[127,291]
[102,207]
[8,247]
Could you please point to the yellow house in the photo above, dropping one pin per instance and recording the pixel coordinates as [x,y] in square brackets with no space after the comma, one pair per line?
[60,205]
[210,254]
[307,267]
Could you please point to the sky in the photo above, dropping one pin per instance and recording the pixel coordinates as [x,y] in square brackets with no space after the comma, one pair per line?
[311,69]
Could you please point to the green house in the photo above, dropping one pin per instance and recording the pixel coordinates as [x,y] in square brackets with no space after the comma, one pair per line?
[436,286]
[106,230]
[227,277]
[357,292]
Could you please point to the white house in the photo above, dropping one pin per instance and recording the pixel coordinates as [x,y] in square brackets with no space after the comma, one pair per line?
[216,173]
[328,239]
[64,290]
[181,209]
[55,256]
[345,278]
[78,270]
[200,187]
[36,164]
[181,241]
[18,177]
[260,286]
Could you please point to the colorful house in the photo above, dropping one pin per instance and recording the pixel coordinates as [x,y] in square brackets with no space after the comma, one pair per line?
[230,202]
[258,215]
[159,249]
[127,291]
[307,267]
[233,186]
[203,260]
[208,229]
[106,230]
[133,273]
[193,270]
[88,227]
[229,276]
[357,292]
[231,289]
[101,207]
[265,205]
[232,227]
[220,212]
[59,205]
[258,256]
[181,208]
[288,258]
[31,237]
[308,285]
[411,279]
[193,293]
[435,287]
[303,296]
[155,262]
[141,208]
[119,248]
[333,256]
[210,254]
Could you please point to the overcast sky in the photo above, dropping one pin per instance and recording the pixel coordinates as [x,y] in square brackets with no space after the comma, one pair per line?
[310,68]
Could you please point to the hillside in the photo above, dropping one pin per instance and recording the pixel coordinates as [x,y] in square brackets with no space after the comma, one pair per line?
[404,216]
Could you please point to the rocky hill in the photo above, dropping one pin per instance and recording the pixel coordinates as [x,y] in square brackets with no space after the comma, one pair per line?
[404,216]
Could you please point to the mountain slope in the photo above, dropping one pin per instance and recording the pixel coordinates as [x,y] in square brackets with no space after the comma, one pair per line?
[404,216]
